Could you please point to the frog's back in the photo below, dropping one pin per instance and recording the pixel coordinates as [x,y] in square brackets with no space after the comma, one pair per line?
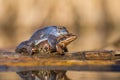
[39,34]
[44,32]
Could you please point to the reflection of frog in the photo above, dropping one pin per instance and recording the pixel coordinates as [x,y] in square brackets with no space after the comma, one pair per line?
[58,44]
[50,75]
[39,36]
[44,75]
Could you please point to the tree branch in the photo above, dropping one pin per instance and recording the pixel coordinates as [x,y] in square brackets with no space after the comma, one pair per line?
[85,61]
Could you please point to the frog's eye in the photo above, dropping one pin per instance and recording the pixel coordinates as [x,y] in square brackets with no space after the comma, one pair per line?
[61,27]
[64,38]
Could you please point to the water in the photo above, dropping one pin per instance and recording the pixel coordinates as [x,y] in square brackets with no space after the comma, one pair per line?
[73,75]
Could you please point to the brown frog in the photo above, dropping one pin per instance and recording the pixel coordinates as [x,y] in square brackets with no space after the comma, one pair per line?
[59,44]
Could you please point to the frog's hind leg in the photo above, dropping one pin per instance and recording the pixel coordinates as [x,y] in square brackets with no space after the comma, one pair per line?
[52,40]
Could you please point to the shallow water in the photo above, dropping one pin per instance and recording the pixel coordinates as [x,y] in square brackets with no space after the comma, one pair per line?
[73,75]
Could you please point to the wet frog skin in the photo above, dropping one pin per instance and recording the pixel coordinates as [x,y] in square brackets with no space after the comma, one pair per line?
[43,33]
[39,36]
[59,44]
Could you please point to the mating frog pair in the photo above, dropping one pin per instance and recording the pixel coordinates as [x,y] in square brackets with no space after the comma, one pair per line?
[47,40]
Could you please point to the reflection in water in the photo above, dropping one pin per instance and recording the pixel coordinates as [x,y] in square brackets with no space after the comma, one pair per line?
[43,75]
[73,75]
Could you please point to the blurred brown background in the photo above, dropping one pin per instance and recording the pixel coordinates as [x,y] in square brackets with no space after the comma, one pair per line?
[95,22]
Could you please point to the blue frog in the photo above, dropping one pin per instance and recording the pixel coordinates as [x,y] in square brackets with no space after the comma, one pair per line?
[40,36]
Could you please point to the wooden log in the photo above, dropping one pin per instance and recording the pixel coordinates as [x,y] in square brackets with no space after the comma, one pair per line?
[80,61]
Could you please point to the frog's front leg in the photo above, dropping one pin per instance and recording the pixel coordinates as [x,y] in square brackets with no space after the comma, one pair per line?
[59,49]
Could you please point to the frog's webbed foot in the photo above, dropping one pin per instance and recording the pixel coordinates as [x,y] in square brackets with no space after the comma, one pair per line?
[59,49]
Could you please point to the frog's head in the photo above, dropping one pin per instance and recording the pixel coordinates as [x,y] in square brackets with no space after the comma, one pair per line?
[66,39]
[60,30]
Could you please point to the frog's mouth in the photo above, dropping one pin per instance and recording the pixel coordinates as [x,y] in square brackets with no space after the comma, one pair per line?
[67,39]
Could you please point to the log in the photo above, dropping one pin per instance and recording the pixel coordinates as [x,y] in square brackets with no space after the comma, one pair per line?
[80,61]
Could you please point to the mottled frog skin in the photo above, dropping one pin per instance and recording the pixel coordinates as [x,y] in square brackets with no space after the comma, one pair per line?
[59,44]
[40,36]
[43,33]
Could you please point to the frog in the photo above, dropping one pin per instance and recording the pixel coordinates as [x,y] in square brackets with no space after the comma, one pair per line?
[39,36]
[59,44]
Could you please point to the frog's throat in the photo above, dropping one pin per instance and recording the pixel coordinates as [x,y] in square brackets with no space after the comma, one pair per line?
[67,41]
